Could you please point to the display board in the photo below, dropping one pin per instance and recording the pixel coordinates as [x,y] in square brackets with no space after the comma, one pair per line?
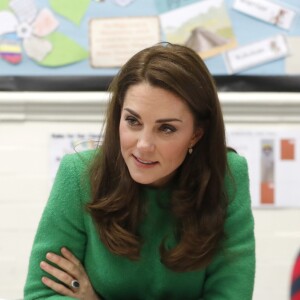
[77,38]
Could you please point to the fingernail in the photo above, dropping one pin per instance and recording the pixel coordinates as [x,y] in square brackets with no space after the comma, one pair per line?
[49,255]
[44,279]
[42,264]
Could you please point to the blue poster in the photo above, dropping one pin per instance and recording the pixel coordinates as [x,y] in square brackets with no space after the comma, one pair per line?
[55,37]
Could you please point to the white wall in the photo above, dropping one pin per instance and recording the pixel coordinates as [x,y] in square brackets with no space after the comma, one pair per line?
[28,119]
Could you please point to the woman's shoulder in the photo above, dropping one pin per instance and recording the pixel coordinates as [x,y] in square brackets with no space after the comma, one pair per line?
[77,164]
[74,170]
[237,167]
[79,159]
[237,177]
[235,161]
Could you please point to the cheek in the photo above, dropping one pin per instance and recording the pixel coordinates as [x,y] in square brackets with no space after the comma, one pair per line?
[126,138]
[176,152]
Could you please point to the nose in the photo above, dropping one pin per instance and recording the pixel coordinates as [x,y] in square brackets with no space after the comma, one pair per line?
[146,142]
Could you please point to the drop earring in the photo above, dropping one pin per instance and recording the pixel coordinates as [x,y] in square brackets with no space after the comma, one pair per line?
[190,150]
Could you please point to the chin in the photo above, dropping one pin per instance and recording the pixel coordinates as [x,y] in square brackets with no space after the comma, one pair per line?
[142,181]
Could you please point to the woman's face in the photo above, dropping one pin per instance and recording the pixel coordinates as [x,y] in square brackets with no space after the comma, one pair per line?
[156,130]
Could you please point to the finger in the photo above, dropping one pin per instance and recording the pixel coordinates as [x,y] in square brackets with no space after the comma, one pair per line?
[57,287]
[57,273]
[64,264]
[70,256]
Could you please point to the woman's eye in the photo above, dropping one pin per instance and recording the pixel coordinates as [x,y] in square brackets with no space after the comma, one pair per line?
[167,129]
[131,121]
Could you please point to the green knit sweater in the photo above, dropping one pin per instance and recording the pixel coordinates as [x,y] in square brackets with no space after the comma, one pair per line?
[64,222]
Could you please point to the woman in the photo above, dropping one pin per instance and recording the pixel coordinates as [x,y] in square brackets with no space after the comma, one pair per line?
[162,209]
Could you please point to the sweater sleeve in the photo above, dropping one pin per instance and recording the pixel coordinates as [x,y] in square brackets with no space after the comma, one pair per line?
[231,274]
[62,224]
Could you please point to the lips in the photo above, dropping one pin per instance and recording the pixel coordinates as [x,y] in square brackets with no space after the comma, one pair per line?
[145,162]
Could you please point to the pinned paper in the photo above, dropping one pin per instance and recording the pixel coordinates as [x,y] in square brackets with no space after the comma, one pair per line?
[64,51]
[40,42]
[45,23]
[254,54]
[8,22]
[266,11]
[114,40]
[11,51]
[267,165]
[36,32]
[25,10]
[287,149]
[30,27]
[73,10]
[37,48]
[204,26]
[272,156]
[292,62]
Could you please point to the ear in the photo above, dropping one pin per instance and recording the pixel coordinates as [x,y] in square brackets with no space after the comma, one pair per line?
[198,134]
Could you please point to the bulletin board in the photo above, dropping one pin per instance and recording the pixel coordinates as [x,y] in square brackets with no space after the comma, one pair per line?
[81,44]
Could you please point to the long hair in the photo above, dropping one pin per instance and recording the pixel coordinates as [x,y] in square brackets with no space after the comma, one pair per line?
[198,200]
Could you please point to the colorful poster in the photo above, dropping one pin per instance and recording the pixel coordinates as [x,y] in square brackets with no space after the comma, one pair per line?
[273,158]
[204,26]
[60,37]
[28,31]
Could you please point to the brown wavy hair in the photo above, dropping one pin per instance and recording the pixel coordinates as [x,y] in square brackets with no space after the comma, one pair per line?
[198,200]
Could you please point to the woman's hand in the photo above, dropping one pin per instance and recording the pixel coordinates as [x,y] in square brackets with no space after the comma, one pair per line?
[71,273]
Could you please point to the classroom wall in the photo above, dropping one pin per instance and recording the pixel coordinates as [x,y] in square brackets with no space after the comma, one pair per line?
[28,119]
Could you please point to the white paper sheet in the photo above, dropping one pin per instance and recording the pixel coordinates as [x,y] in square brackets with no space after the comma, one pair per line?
[114,40]
[25,10]
[292,62]
[274,162]
[257,53]
[61,144]
[8,22]
[267,11]
[37,48]
[45,23]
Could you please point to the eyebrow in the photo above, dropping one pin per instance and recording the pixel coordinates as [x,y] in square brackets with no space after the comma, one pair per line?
[157,121]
